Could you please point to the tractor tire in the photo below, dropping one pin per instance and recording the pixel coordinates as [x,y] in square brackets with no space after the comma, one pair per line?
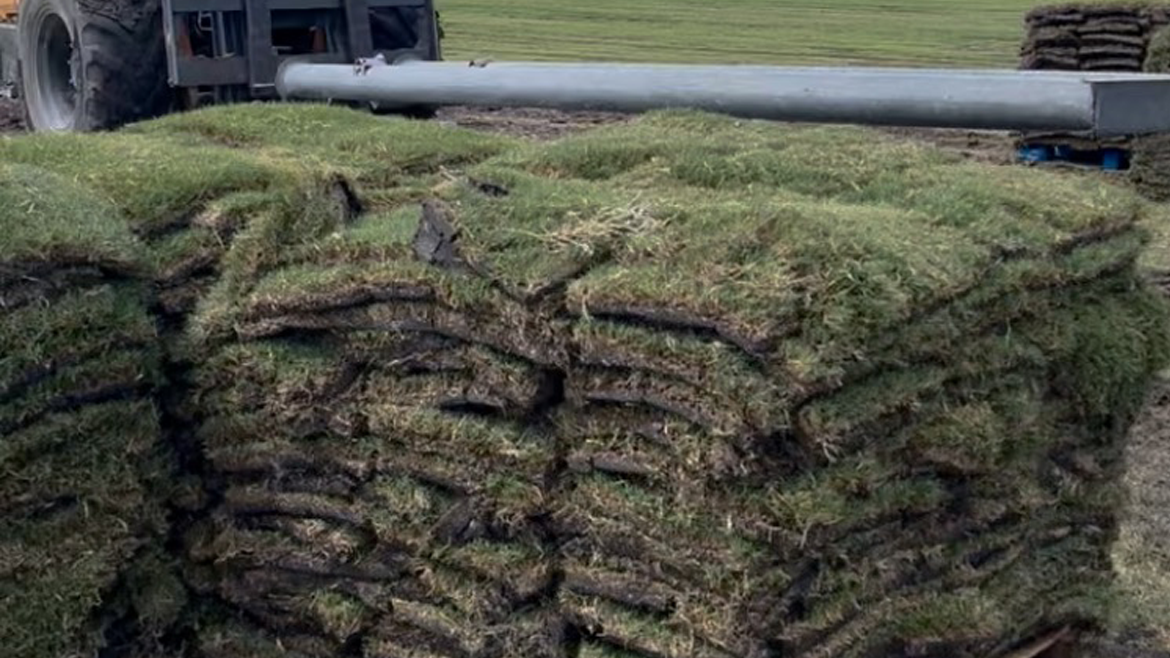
[395,27]
[90,65]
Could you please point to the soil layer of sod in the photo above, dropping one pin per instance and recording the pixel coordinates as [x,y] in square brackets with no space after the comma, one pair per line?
[684,387]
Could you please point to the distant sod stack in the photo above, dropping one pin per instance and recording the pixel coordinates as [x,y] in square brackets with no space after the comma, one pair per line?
[1107,37]
[79,435]
[1091,37]
[687,387]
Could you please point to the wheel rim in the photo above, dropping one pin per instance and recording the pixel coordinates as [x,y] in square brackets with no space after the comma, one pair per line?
[57,65]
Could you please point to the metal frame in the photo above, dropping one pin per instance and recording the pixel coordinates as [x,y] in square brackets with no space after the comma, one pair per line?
[246,64]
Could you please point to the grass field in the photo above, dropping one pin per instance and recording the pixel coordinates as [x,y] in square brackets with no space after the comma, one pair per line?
[888,32]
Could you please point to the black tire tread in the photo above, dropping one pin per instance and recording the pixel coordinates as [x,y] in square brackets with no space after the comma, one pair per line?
[125,62]
[394,27]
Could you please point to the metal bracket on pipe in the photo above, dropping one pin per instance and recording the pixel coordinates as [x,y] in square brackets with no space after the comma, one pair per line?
[364,64]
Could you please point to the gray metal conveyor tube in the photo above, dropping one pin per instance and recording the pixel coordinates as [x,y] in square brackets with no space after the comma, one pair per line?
[1105,104]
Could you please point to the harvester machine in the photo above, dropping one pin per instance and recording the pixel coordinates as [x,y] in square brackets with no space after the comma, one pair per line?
[97,64]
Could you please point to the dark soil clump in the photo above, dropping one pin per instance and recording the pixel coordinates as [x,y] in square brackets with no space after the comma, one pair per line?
[11,116]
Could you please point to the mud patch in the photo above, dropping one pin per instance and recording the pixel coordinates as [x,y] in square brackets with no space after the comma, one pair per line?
[529,122]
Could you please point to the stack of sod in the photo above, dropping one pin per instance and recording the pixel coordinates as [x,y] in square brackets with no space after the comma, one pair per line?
[189,184]
[264,406]
[79,435]
[834,406]
[1090,37]
[183,200]
[76,320]
[688,387]
[364,502]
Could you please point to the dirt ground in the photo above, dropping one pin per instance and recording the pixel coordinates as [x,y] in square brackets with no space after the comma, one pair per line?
[1143,550]
[1144,545]
[536,123]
